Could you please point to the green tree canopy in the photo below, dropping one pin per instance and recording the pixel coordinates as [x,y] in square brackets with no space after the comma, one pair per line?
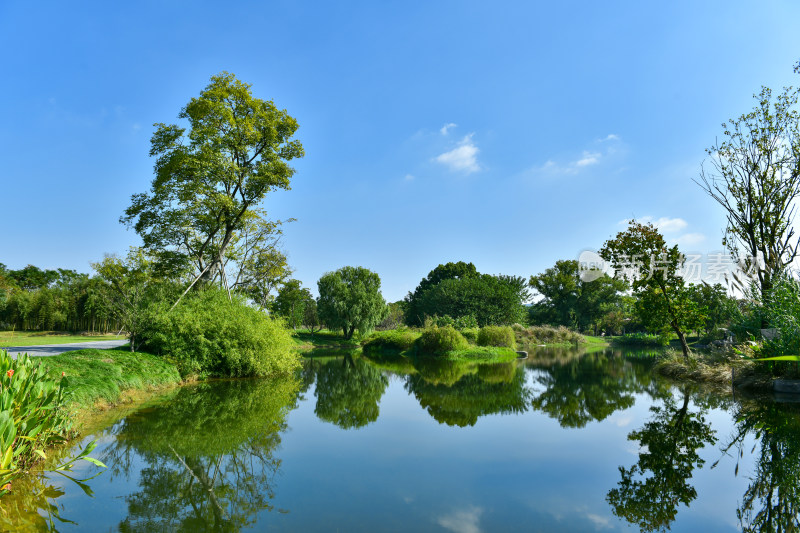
[350,299]
[458,291]
[567,300]
[211,178]
[291,302]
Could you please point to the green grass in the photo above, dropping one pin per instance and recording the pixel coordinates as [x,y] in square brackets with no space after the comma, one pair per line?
[38,338]
[103,375]
[484,354]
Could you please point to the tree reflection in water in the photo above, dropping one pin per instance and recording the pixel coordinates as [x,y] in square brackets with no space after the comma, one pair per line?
[457,394]
[584,388]
[772,499]
[209,454]
[649,492]
[348,392]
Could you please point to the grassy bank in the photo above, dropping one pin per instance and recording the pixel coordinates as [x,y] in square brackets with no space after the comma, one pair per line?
[721,370]
[38,338]
[99,378]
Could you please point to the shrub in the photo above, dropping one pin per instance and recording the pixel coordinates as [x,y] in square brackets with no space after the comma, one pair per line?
[439,341]
[33,417]
[497,336]
[210,335]
[471,334]
[642,339]
[396,340]
[528,338]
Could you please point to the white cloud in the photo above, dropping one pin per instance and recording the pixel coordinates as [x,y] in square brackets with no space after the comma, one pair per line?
[689,239]
[664,224]
[602,151]
[409,177]
[463,157]
[589,158]
[600,522]
[447,127]
[463,521]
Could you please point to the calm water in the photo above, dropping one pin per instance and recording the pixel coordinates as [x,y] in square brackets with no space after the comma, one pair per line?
[559,442]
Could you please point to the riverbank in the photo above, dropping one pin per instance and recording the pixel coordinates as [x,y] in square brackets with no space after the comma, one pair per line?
[99,379]
[718,369]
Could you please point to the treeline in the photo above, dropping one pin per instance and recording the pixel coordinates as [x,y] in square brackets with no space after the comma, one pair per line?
[38,299]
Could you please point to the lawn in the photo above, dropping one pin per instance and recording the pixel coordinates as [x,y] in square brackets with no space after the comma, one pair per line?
[39,338]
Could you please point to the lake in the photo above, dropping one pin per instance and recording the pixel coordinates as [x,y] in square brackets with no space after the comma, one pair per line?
[561,441]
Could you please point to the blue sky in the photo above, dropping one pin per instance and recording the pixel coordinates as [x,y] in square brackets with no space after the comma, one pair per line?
[509,134]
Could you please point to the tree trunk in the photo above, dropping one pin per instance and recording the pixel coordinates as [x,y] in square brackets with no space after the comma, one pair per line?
[682,339]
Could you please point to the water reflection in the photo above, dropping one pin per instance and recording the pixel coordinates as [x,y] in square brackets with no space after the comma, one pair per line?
[209,455]
[772,499]
[479,390]
[650,491]
[579,389]
[348,391]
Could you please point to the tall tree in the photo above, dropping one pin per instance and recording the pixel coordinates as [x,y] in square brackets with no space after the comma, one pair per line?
[641,255]
[209,179]
[350,299]
[754,174]
[415,316]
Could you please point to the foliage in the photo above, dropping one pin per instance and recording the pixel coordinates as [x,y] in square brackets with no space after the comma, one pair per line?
[394,317]
[642,339]
[210,335]
[460,270]
[754,177]
[719,309]
[641,255]
[568,300]
[42,300]
[291,302]
[471,334]
[210,180]
[460,323]
[439,341]
[134,290]
[32,415]
[103,375]
[390,341]
[490,300]
[497,336]
[311,316]
[781,310]
[533,336]
[348,392]
[350,299]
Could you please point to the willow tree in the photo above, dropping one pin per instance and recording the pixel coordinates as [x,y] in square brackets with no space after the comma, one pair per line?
[754,174]
[210,179]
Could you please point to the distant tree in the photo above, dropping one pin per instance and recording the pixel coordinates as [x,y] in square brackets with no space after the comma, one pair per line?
[394,316]
[718,308]
[132,289]
[490,300]
[291,302]
[350,299]
[567,300]
[641,255]
[210,179]
[311,316]
[755,176]
[460,270]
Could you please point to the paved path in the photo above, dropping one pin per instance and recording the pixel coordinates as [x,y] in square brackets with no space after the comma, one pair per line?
[55,349]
